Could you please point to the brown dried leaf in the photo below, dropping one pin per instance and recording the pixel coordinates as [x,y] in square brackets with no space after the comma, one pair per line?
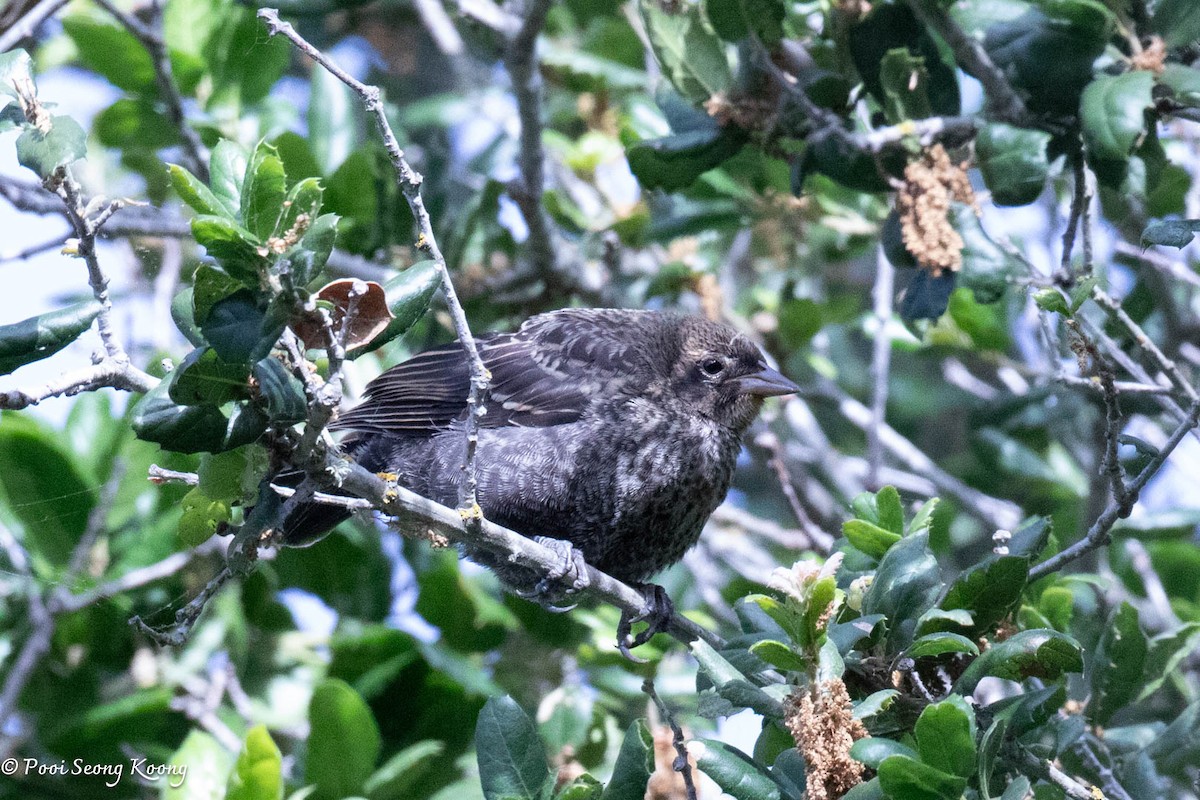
[371,313]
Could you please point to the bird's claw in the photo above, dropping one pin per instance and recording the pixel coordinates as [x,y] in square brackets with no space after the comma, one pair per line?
[656,613]
[568,576]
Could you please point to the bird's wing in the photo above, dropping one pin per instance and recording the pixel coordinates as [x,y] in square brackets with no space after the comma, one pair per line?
[545,374]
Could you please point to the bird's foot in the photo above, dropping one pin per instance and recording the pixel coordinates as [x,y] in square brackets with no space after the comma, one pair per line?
[656,613]
[567,577]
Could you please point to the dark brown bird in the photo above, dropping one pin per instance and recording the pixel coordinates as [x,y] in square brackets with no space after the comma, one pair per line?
[613,430]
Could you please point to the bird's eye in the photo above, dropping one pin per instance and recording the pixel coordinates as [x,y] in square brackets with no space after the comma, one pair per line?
[712,366]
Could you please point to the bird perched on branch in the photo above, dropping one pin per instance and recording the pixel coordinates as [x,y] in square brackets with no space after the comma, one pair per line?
[615,431]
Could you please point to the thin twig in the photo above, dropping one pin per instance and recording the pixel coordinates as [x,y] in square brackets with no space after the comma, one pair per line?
[1113,790]
[28,23]
[1145,342]
[1066,276]
[1098,534]
[881,360]
[1003,102]
[520,59]
[410,185]
[105,374]
[682,763]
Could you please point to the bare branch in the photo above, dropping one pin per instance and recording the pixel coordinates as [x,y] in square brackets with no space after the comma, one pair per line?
[682,763]
[24,27]
[410,185]
[1145,342]
[98,376]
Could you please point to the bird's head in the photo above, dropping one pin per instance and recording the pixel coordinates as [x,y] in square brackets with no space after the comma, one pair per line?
[722,375]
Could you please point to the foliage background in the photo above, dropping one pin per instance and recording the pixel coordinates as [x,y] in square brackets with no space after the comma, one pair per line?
[683,168]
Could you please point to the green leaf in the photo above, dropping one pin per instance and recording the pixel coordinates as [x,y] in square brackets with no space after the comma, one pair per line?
[1170,233]
[732,684]
[403,775]
[675,162]
[238,330]
[735,772]
[940,643]
[112,52]
[221,474]
[1116,668]
[512,758]
[231,244]
[889,27]
[945,734]
[904,81]
[45,151]
[778,655]
[42,336]
[245,62]
[903,778]
[310,257]
[987,267]
[1013,163]
[14,66]
[691,57]
[1038,653]
[1178,21]
[258,772]
[1113,114]
[635,762]
[1052,300]
[44,489]
[333,121]
[204,762]
[1166,652]
[343,743]
[263,191]
[227,172]
[193,192]
[990,590]
[1184,83]
[874,750]
[905,586]
[890,509]
[871,539]
[204,378]
[282,392]
[193,429]
[131,124]
[875,703]
[469,618]
[304,198]
[408,297]
[734,20]
[201,517]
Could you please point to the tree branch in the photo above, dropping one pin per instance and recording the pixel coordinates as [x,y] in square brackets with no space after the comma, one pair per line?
[881,360]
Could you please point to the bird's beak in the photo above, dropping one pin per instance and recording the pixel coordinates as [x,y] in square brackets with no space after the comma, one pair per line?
[766,382]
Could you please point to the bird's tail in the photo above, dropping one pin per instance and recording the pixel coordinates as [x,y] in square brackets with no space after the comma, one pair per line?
[309,522]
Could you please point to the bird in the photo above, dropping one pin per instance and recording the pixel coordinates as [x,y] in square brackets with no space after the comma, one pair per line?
[610,435]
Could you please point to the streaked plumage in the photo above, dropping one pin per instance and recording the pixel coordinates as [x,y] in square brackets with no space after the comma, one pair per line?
[616,430]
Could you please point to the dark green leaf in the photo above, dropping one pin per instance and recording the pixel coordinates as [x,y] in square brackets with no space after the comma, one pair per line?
[204,378]
[905,586]
[635,762]
[343,743]
[133,124]
[282,392]
[1178,21]
[408,296]
[945,734]
[44,335]
[402,776]
[1013,163]
[258,772]
[987,268]
[1116,668]
[1030,539]
[1178,748]
[874,750]
[45,151]
[674,162]
[937,644]
[733,20]
[1037,653]
[44,488]
[512,759]
[1170,233]
[1113,114]
[246,62]
[990,590]
[238,330]
[263,192]
[1166,652]
[732,684]
[735,772]
[310,257]
[892,26]
[903,778]
[193,429]
[778,655]
[1184,83]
